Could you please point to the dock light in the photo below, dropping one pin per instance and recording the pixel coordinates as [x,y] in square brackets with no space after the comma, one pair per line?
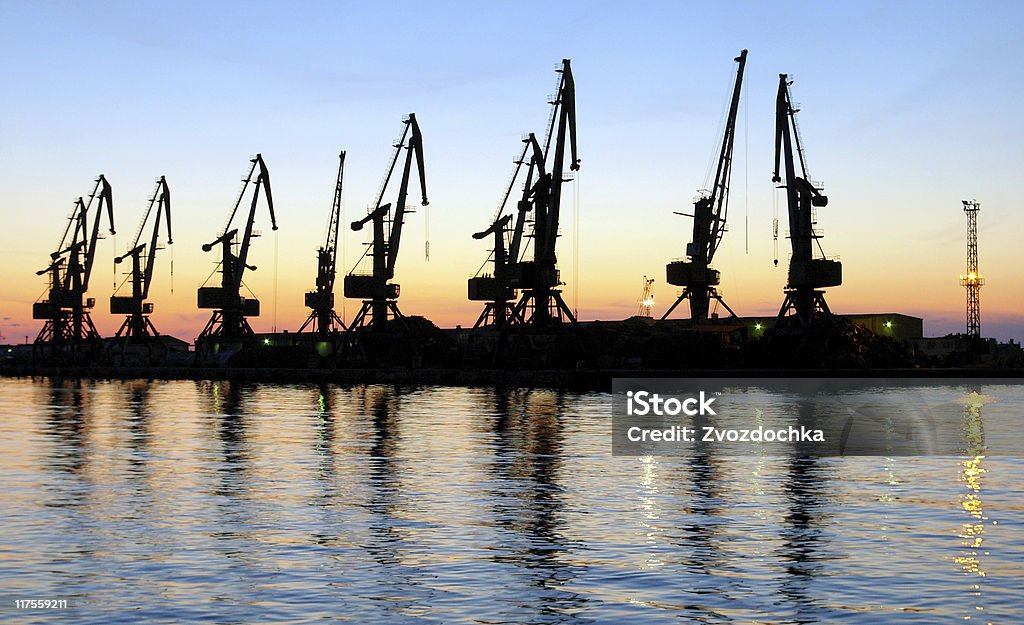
[758,327]
[888,325]
[266,341]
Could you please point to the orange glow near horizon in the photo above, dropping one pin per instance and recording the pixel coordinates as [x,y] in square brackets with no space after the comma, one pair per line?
[608,289]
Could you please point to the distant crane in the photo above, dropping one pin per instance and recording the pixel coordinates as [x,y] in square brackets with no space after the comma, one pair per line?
[137,327]
[541,303]
[807,274]
[228,320]
[646,301]
[972,281]
[380,297]
[68,323]
[698,279]
[322,318]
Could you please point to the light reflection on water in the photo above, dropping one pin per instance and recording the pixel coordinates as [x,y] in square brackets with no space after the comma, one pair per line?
[194,501]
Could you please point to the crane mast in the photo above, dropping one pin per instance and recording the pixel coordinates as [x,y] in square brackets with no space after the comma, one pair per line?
[137,327]
[695,275]
[805,301]
[228,320]
[379,295]
[68,323]
[541,302]
[323,319]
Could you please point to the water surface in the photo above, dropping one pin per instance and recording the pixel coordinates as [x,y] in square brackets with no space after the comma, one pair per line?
[184,501]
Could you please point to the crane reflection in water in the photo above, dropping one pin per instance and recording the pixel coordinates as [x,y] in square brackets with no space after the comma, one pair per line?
[528,505]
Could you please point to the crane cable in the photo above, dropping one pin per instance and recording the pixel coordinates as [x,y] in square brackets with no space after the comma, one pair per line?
[276,238]
[576,245]
[341,244]
[775,221]
[746,171]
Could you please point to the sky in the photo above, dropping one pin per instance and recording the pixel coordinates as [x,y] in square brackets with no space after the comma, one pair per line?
[906,109]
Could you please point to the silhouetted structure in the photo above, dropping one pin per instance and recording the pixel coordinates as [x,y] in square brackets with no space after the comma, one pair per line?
[68,330]
[972,280]
[380,296]
[137,328]
[230,308]
[695,275]
[807,274]
[323,319]
[541,303]
[645,302]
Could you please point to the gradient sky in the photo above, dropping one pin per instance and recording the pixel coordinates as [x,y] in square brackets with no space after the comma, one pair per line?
[907,108]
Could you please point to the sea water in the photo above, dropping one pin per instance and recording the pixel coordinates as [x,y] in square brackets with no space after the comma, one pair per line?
[183,501]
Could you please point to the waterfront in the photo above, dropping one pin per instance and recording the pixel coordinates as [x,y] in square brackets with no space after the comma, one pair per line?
[177,501]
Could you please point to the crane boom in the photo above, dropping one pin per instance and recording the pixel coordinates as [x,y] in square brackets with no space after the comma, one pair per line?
[165,202]
[331,245]
[415,150]
[529,189]
[162,200]
[262,182]
[106,200]
[723,174]
[546,227]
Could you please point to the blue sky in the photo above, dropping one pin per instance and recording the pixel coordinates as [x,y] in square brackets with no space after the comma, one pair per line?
[907,108]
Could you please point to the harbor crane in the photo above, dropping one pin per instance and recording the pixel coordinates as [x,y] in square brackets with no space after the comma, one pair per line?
[695,275]
[379,294]
[68,323]
[323,319]
[805,301]
[497,289]
[137,328]
[228,320]
[540,303]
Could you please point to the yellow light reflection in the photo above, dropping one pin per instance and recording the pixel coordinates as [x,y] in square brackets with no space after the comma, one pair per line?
[649,479]
[972,473]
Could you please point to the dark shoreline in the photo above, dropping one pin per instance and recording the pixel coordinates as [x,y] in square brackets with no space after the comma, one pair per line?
[582,380]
